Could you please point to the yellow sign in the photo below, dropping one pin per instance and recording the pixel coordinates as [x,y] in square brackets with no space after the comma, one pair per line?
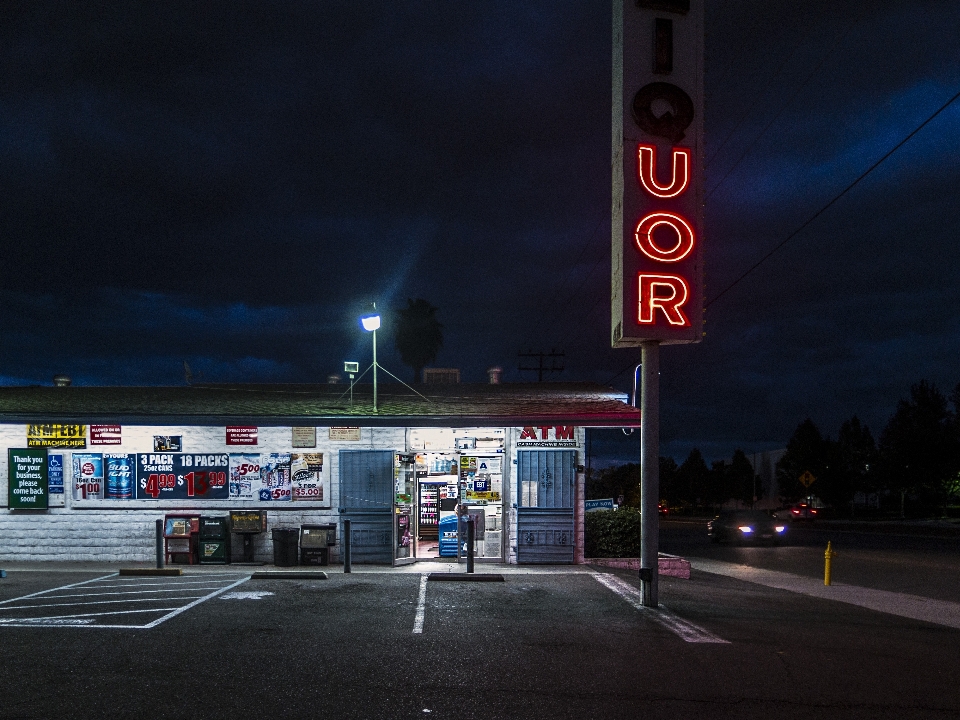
[807,479]
[57,436]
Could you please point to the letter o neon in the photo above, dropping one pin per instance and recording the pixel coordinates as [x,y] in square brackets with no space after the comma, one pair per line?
[682,229]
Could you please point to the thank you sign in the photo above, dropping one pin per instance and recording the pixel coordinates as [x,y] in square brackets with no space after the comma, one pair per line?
[27,485]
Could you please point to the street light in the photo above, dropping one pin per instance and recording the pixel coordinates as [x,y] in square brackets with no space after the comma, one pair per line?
[371,323]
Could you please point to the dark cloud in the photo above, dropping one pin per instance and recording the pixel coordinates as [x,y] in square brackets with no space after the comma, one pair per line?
[233,183]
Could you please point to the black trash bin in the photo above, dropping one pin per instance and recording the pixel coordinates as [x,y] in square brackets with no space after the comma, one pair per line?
[286,549]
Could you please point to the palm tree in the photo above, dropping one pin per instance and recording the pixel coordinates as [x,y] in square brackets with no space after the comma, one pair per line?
[419,335]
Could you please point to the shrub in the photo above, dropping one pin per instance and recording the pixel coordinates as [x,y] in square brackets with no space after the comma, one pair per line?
[612,533]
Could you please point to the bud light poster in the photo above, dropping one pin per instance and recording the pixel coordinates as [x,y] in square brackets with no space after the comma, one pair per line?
[244,475]
[121,470]
[87,476]
[275,477]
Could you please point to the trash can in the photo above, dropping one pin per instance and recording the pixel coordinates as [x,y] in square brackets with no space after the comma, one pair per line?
[285,546]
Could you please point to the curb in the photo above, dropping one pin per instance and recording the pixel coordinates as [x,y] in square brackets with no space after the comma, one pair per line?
[147,572]
[469,577]
[669,565]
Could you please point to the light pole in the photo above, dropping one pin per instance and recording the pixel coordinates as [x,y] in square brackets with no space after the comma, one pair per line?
[371,323]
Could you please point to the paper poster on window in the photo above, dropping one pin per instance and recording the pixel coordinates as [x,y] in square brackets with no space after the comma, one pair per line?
[87,476]
[306,471]
[275,477]
[244,476]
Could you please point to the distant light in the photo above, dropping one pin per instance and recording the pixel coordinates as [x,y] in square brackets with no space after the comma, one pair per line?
[745,529]
[780,528]
[370,322]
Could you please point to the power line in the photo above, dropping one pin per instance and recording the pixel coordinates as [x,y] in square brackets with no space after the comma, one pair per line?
[843,192]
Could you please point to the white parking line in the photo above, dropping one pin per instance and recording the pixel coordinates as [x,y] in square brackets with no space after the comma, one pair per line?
[98,602]
[194,603]
[421,605]
[685,629]
[136,592]
[62,587]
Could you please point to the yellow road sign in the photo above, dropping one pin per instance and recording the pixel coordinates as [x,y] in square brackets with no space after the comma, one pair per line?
[807,479]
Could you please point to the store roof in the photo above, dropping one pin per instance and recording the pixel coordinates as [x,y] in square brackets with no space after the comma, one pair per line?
[461,405]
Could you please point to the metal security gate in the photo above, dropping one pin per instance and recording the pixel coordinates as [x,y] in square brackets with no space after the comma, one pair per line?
[366,499]
[546,484]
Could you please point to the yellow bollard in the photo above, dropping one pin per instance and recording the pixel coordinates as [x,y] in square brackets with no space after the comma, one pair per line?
[827,557]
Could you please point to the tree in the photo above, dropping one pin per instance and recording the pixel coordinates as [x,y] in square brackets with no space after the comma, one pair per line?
[856,460]
[807,451]
[919,447]
[419,335]
[617,481]
[693,479]
[741,480]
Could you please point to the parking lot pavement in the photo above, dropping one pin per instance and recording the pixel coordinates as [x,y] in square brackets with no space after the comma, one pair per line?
[113,601]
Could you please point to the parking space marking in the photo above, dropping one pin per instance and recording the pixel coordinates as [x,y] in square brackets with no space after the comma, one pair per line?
[421,607]
[165,596]
[686,630]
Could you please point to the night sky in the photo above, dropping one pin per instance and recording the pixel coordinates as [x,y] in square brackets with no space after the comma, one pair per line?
[232,184]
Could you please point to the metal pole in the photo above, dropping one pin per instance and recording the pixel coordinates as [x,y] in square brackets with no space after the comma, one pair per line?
[159,544]
[374,370]
[649,471]
[470,519]
[346,546]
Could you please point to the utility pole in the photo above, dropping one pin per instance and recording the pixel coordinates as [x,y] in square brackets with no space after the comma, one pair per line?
[541,368]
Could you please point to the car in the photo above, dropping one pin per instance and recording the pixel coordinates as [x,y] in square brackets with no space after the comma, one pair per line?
[798,512]
[746,526]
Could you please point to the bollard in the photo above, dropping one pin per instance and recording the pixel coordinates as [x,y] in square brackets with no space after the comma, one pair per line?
[160,544]
[827,557]
[346,546]
[470,533]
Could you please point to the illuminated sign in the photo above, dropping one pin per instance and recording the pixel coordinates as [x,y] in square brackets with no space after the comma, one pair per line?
[657,268]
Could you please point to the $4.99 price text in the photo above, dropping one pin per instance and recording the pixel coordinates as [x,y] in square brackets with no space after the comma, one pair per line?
[198,482]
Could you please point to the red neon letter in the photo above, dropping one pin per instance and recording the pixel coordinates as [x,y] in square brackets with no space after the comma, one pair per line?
[666,293]
[680,227]
[647,170]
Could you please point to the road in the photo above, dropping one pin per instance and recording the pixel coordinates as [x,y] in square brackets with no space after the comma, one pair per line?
[902,562]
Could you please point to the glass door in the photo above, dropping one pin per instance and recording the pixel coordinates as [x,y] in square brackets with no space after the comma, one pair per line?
[404,509]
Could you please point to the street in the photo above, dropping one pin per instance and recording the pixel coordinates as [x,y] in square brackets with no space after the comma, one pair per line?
[545,643]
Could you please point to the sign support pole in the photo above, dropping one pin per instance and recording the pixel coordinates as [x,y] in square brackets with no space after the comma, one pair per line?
[649,471]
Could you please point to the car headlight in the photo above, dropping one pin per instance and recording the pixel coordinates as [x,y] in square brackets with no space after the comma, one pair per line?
[745,529]
[780,528]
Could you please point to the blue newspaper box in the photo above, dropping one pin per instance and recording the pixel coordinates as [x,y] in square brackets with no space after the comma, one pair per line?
[448,536]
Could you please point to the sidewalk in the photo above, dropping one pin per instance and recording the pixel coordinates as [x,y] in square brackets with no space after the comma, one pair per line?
[915,607]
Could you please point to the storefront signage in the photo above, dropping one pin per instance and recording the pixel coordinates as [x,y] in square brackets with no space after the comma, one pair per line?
[275,481]
[241,435]
[182,476]
[303,437]
[27,479]
[554,436]
[657,275]
[87,476]
[57,436]
[345,434]
[105,434]
[306,476]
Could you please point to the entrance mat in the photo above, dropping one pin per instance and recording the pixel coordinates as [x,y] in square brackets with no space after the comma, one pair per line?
[146,572]
[469,577]
[290,575]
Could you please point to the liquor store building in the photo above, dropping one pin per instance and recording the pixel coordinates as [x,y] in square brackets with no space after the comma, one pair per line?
[85,472]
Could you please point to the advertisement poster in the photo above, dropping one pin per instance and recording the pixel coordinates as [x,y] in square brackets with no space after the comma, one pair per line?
[120,470]
[306,476]
[87,476]
[167,443]
[244,475]
[241,435]
[182,476]
[105,434]
[55,474]
[275,477]
[27,485]
[344,434]
[57,436]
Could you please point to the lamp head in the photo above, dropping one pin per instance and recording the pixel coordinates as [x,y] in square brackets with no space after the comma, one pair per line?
[370,322]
